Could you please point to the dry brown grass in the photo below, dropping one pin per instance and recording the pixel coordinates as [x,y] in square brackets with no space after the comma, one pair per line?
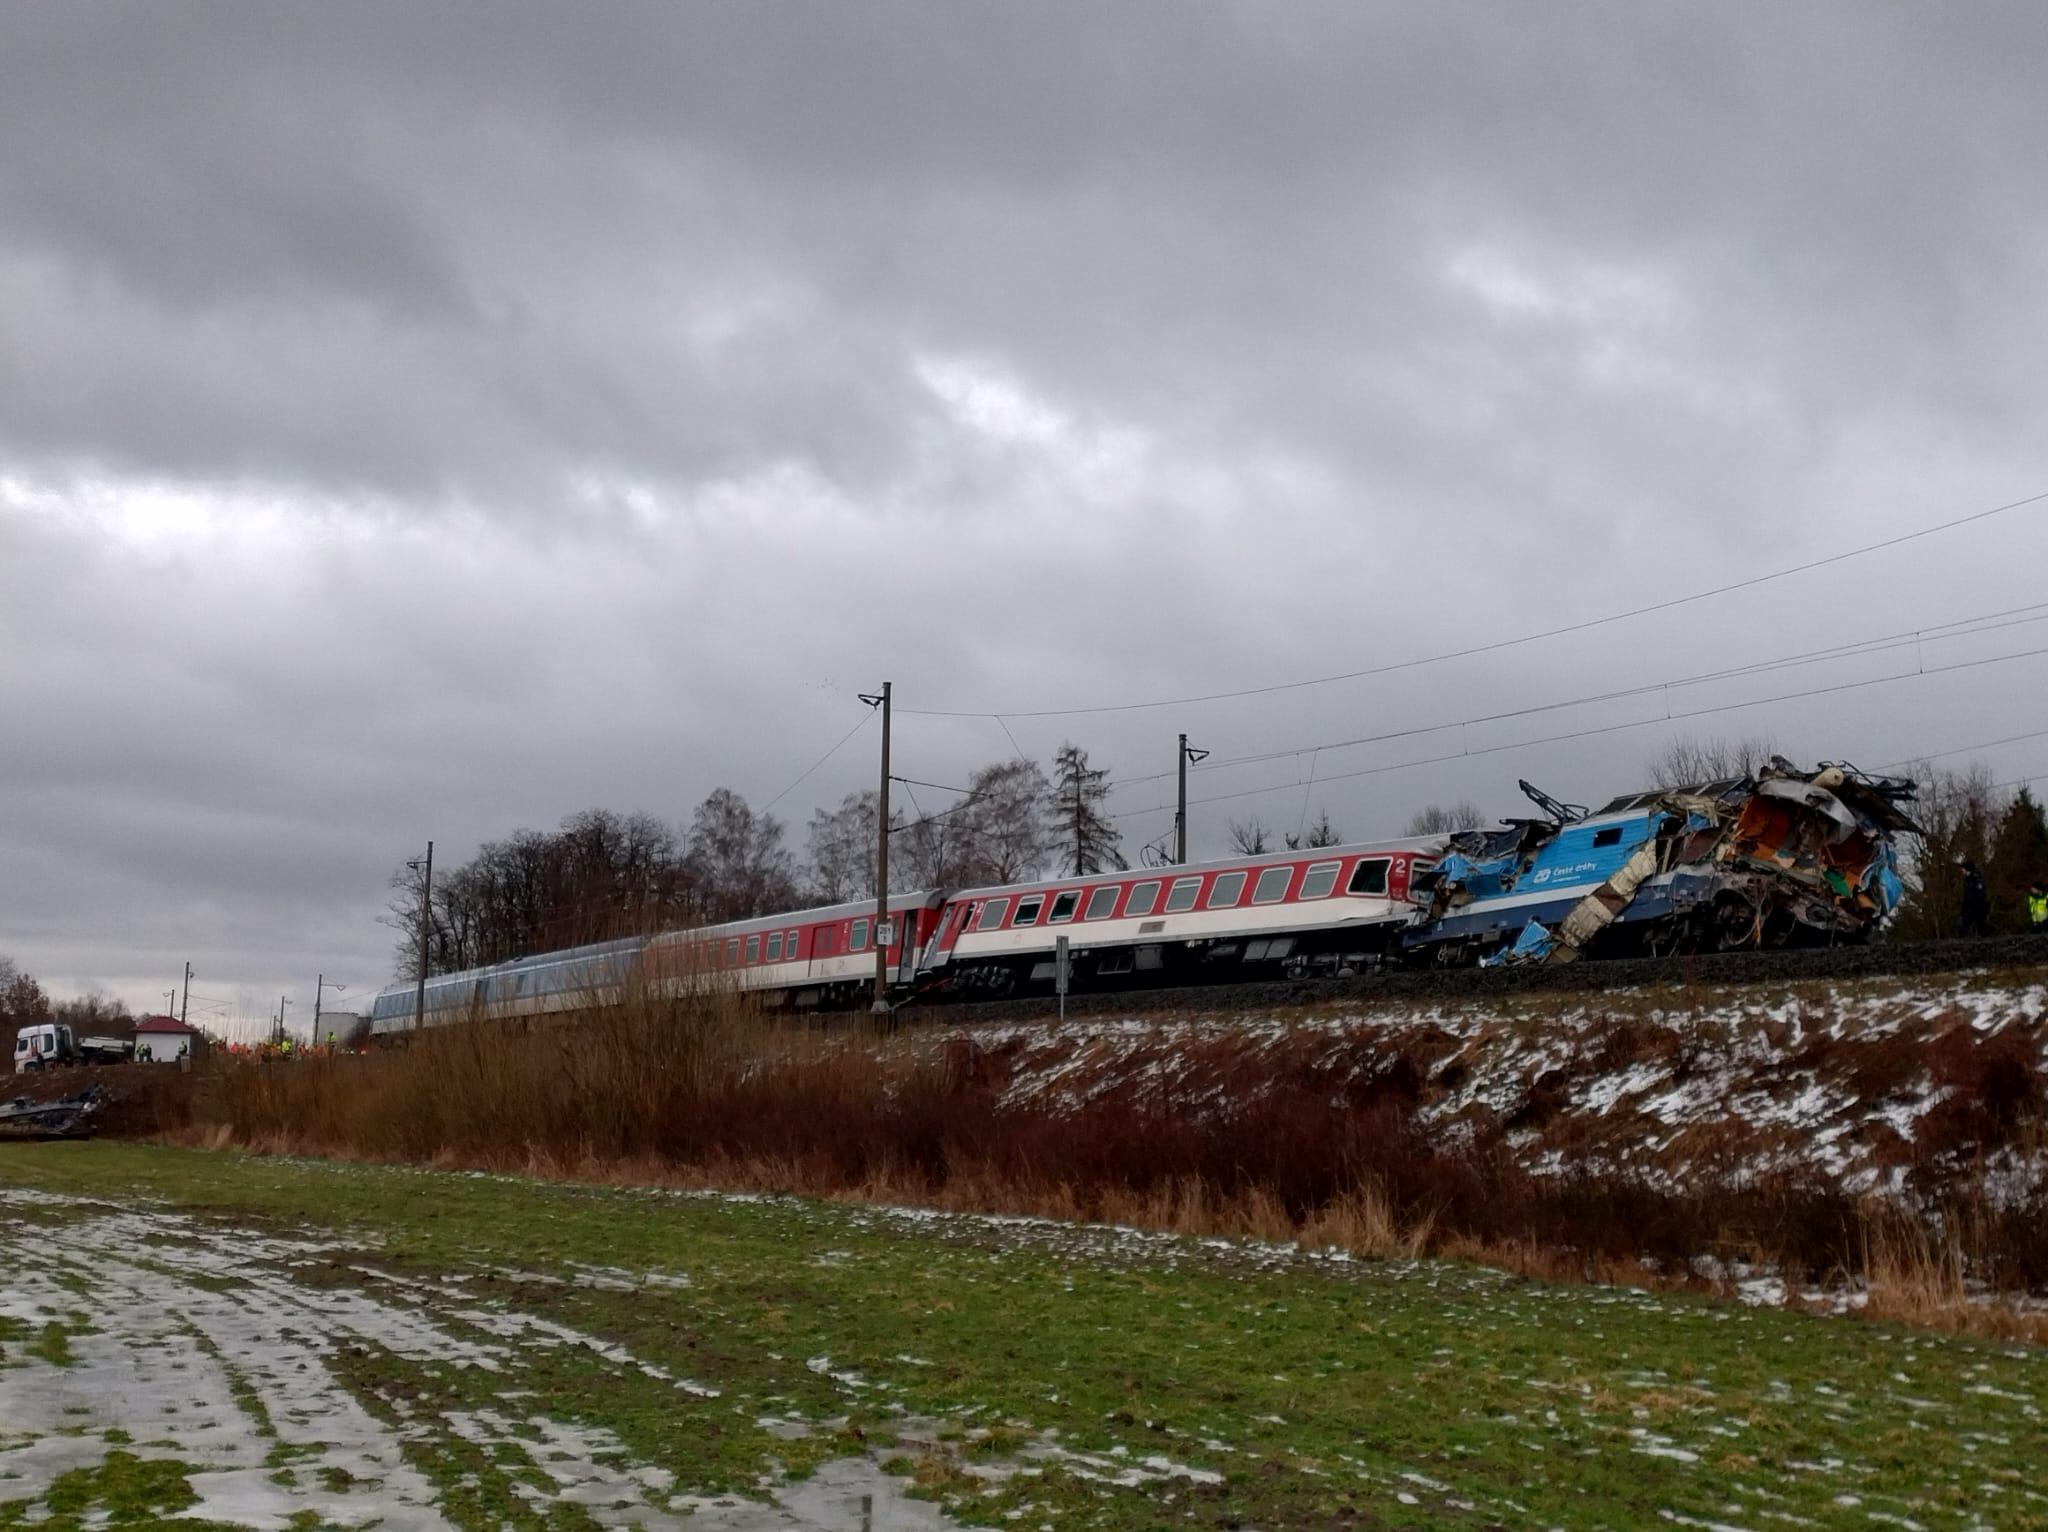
[1914,1276]
[1242,1137]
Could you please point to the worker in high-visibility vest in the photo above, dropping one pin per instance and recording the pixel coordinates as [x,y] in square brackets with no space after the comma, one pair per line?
[2037,906]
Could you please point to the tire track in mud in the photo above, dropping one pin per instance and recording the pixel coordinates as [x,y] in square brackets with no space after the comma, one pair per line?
[206,1348]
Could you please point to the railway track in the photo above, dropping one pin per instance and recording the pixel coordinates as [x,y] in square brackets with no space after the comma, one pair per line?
[1879,960]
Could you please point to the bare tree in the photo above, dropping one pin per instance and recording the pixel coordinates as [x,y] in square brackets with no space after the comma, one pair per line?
[94,1011]
[1439,819]
[1694,760]
[842,849]
[601,875]
[1003,823]
[21,998]
[933,850]
[1089,842]
[1250,837]
[737,859]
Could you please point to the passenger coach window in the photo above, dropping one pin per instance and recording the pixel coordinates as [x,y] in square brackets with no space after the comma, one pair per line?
[1369,877]
[1317,882]
[992,914]
[860,935]
[789,944]
[753,949]
[1063,906]
[774,945]
[1102,903]
[1182,895]
[1225,891]
[1143,897]
[732,951]
[1272,885]
[1027,910]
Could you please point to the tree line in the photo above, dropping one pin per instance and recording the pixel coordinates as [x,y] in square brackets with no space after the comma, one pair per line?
[23,1002]
[602,874]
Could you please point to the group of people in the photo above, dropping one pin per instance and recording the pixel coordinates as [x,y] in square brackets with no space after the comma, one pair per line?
[1974,918]
[285,1049]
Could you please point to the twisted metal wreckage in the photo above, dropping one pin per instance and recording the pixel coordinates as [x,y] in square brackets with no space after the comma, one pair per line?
[1782,858]
[70,1117]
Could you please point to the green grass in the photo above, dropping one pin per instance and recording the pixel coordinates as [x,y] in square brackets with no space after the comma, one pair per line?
[1324,1394]
[122,1491]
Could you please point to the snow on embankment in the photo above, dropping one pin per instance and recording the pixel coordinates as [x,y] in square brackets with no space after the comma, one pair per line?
[1884,1087]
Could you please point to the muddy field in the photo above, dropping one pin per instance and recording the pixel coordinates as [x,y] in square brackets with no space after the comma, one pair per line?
[148,1337]
[259,1343]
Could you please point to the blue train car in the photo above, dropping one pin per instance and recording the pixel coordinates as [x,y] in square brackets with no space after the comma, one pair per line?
[1784,857]
[575,979]
[1502,888]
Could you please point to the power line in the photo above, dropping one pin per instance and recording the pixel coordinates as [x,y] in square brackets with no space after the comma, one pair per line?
[998,717]
[821,760]
[1942,755]
[1964,627]
[937,787]
[1640,723]
[1496,645]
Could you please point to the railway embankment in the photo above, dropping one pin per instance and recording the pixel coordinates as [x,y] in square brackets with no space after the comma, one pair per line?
[1875,1139]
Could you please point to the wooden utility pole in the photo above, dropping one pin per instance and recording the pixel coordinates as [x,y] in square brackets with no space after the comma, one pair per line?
[881,1006]
[185,1005]
[419,993]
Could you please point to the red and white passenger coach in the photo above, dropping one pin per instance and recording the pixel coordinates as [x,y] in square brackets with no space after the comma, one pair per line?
[1333,909]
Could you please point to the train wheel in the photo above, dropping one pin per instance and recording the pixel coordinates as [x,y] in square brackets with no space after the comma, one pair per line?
[1738,926]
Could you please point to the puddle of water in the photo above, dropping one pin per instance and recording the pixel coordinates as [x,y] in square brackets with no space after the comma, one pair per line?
[186,1316]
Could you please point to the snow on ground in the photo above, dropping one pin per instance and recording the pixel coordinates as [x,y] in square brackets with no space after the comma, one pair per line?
[202,1346]
[1829,1082]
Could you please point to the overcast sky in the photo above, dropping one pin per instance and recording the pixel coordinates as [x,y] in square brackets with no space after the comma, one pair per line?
[433,420]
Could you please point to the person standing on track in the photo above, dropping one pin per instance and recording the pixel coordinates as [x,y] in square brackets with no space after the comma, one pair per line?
[1975,916]
[2037,907]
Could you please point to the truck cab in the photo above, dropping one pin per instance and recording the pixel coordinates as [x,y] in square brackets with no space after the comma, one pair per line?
[43,1045]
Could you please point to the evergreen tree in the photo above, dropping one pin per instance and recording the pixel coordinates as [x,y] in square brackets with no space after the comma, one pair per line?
[1088,841]
[2019,856]
[1956,813]
[1319,834]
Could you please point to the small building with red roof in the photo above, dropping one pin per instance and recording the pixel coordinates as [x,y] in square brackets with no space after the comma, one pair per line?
[165,1040]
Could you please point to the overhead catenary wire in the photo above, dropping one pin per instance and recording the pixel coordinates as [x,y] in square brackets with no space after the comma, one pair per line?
[1496,645]
[1915,639]
[1942,755]
[804,776]
[1616,728]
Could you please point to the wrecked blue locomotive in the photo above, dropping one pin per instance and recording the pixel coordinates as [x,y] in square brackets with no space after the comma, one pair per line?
[1781,858]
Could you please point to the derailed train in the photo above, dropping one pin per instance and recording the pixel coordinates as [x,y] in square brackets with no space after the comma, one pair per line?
[1782,858]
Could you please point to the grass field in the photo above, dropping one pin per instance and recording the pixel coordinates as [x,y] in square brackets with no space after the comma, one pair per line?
[260,1342]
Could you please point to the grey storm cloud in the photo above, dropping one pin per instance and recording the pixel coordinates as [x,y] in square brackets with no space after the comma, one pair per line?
[428,420]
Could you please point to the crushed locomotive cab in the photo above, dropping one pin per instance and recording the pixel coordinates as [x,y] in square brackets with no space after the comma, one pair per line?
[1783,858]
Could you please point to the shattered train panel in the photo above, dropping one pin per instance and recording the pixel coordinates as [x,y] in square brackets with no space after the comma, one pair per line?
[1783,858]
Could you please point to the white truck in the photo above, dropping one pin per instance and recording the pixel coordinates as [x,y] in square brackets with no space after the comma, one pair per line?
[43,1045]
